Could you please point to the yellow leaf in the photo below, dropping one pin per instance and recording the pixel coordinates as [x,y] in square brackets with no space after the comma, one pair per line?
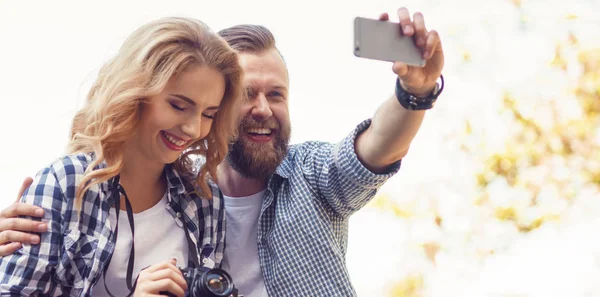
[571,16]
[431,249]
[383,202]
[506,213]
[411,286]
[466,56]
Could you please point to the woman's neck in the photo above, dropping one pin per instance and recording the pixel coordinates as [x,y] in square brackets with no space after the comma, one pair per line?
[143,181]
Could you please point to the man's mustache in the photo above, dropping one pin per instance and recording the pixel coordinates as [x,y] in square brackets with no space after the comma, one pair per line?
[251,122]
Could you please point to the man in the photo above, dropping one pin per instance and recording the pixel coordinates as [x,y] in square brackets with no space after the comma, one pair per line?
[288,207]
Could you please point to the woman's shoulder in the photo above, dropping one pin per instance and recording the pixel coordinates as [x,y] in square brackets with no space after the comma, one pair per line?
[58,181]
[70,166]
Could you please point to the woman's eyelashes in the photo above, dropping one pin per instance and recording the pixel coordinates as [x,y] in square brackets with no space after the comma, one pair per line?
[177,107]
[181,107]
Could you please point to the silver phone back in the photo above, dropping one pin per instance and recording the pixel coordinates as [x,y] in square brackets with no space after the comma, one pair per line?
[379,40]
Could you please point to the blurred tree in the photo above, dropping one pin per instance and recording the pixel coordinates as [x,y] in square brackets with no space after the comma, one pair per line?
[553,158]
[550,157]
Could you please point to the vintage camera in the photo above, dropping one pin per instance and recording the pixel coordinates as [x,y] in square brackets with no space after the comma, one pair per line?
[206,282]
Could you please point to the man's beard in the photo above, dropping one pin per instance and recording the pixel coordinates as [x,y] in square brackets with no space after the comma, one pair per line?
[259,160]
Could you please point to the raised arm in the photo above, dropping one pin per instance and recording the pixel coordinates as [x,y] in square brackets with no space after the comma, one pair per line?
[393,126]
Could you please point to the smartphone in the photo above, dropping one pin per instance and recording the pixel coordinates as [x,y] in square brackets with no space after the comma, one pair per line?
[383,41]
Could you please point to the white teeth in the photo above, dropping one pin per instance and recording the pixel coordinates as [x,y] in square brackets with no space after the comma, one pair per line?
[173,140]
[263,131]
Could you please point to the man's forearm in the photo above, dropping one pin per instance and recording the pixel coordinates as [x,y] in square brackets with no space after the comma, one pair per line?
[388,138]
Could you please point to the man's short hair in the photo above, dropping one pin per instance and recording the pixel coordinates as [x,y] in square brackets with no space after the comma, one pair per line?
[249,38]
[253,39]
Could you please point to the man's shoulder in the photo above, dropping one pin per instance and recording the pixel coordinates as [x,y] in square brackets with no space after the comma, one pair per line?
[300,154]
[308,147]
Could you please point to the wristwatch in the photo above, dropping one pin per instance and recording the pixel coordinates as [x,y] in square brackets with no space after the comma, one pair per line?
[412,102]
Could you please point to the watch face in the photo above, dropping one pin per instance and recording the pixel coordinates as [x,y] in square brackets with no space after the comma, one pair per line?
[436,89]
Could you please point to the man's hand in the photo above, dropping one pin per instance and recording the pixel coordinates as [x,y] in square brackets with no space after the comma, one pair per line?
[15,231]
[416,80]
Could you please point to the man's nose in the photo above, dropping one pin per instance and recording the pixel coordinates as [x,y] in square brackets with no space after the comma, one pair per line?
[261,108]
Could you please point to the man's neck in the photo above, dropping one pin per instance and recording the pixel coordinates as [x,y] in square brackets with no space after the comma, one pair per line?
[233,184]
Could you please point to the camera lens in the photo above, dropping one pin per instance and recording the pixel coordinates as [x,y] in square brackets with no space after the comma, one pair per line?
[217,282]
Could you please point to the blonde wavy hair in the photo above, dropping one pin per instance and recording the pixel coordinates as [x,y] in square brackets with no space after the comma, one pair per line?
[149,57]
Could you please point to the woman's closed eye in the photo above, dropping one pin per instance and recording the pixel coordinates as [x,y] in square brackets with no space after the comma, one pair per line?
[177,107]
[210,112]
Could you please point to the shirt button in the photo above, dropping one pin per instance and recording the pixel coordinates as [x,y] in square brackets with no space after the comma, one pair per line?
[178,215]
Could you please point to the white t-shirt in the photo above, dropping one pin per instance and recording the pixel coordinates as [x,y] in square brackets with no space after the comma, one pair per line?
[158,238]
[241,251]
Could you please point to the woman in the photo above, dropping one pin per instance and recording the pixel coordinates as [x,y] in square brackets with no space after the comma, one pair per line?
[126,197]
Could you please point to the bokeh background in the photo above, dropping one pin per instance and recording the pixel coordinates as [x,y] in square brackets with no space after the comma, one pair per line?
[500,193]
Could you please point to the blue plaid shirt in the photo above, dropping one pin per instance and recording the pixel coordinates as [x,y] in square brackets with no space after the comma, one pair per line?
[72,254]
[303,225]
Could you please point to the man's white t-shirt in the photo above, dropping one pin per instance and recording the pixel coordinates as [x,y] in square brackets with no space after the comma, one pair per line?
[241,251]
[158,238]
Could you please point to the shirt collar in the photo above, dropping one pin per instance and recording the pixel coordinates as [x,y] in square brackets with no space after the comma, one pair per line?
[284,169]
[177,185]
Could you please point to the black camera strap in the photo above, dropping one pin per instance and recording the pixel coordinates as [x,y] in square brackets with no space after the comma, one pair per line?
[117,191]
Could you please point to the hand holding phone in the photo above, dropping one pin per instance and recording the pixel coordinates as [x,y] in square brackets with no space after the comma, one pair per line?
[384,41]
[416,52]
